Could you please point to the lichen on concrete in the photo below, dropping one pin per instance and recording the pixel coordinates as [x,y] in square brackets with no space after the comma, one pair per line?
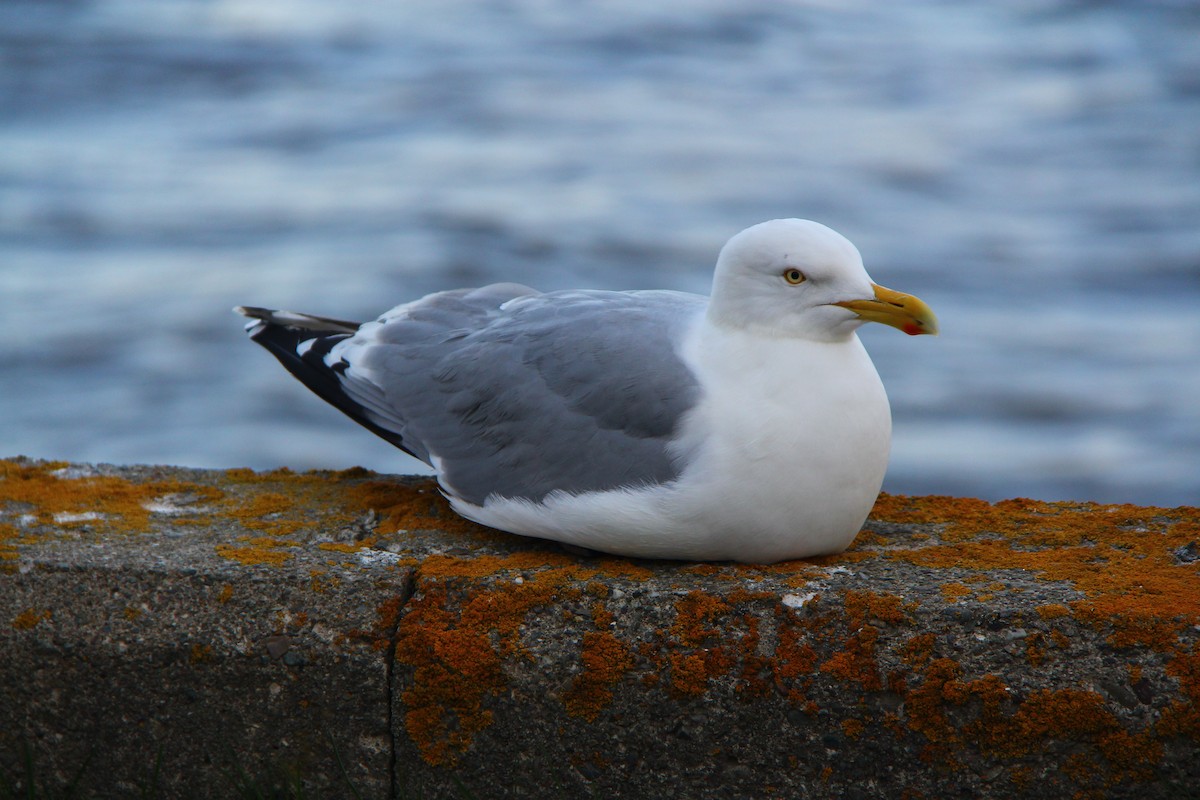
[1015,649]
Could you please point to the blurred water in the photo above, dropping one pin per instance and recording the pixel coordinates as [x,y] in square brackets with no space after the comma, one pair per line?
[1031,169]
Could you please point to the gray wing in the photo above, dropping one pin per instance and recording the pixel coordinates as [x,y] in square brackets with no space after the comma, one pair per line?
[515,393]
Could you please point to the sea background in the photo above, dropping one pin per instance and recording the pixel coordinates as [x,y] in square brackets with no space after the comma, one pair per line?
[1029,168]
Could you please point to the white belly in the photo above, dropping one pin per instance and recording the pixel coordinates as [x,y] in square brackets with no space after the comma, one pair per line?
[785,455]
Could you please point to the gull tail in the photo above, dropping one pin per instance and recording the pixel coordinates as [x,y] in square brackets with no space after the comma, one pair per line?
[302,342]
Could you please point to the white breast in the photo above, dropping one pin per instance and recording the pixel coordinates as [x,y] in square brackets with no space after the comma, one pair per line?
[789,445]
[785,455]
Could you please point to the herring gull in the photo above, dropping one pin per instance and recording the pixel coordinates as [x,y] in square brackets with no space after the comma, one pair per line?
[749,425]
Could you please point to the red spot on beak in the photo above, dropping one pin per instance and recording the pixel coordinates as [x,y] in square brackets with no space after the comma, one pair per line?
[913,329]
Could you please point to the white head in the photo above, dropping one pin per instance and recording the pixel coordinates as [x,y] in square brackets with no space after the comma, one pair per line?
[794,278]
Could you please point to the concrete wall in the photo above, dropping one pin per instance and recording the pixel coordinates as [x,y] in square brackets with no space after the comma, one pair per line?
[175,632]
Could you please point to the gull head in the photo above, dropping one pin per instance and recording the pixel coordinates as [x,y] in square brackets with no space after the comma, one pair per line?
[795,278]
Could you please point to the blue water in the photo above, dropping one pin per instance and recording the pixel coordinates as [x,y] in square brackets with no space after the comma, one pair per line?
[1030,168]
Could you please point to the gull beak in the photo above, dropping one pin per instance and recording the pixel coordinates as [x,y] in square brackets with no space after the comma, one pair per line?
[903,311]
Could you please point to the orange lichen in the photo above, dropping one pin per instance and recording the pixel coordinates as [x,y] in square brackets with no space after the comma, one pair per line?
[1130,756]
[1119,557]
[282,505]
[438,566]
[267,513]
[322,582]
[848,557]
[926,704]
[268,554]
[1056,713]
[279,504]
[225,594]
[856,663]
[853,727]
[106,501]
[755,678]
[405,506]
[503,610]
[341,547]
[695,613]
[865,538]
[689,673]
[1052,611]
[1035,649]
[794,659]
[455,634]
[30,618]
[954,591]
[601,616]
[1082,771]
[863,606]
[1134,626]
[200,654]
[623,568]
[929,510]
[1002,727]
[453,670]
[919,649]
[737,597]
[1182,717]
[606,660]
[381,635]
[9,537]
[696,653]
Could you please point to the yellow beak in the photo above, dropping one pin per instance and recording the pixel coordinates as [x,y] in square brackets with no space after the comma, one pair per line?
[903,311]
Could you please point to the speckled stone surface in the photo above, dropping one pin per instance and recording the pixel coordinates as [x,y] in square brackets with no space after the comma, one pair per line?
[346,630]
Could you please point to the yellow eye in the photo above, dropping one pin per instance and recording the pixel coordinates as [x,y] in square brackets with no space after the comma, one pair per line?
[794,276]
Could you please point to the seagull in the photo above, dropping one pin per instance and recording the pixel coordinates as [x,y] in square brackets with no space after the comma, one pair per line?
[750,425]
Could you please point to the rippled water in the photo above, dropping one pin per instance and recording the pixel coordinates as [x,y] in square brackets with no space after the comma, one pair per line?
[1031,169]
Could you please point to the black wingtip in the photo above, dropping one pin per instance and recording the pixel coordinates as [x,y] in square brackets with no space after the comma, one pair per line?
[301,344]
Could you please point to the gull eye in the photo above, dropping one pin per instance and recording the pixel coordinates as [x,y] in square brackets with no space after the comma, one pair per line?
[794,276]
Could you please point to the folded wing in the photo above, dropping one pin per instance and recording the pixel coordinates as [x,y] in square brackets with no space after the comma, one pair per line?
[469,380]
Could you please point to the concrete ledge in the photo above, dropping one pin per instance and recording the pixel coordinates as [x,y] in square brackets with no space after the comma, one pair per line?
[348,629]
